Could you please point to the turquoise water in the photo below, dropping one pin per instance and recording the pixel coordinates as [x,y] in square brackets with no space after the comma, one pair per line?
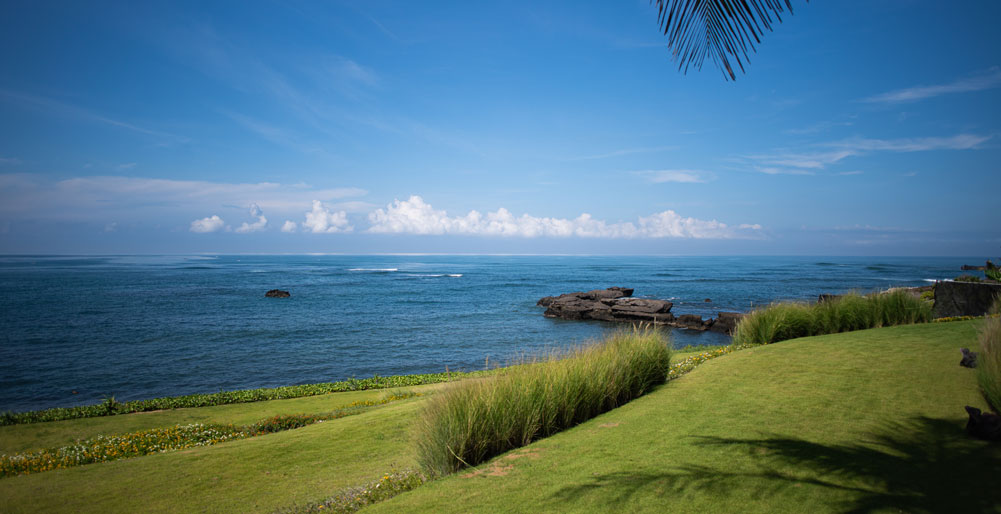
[141,327]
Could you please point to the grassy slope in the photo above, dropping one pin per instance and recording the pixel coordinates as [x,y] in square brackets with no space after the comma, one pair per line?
[253,475]
[20,438]
[807,402]
[864,420]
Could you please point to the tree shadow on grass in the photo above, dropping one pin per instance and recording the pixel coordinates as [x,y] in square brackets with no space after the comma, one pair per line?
[922,465]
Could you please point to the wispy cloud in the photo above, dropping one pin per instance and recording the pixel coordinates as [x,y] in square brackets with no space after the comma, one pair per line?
[66,110]
[415,216]
[624,151]
[680,176]
[818,127]
[805,163]
[102,198]
[921,144]
[979,82]
[814,160]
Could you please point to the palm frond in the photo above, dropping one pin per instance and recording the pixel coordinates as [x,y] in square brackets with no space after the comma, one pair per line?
[720,29]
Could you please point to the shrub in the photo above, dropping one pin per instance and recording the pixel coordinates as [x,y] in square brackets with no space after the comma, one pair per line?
[967,278]
[992,271]
[354,498]
[475,420]
[782,321]
[989,359]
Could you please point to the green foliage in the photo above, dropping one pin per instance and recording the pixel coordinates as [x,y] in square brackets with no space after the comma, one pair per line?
[106,448]
[989,358]
[967,278]
[354,498]
[110,406]
[928,295]
[478,419]
[992,271]
[782,321]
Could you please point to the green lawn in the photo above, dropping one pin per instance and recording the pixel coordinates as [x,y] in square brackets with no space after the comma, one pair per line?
[868,420]
[859,421]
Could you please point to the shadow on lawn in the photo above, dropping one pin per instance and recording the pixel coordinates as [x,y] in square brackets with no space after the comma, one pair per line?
[923,465]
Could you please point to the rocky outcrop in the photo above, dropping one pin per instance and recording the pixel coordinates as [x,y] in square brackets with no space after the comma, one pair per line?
[969,358]
[964,298]
[616,304]
[726,322]
[277,293]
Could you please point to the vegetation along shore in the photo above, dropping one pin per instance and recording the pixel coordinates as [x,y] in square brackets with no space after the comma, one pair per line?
[794,419]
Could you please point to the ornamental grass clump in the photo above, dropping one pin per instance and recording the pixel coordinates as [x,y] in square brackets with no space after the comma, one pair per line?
[989,359]
[477,419]
[781,321]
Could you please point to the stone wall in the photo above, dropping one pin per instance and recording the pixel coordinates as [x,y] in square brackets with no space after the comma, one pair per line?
[964,298]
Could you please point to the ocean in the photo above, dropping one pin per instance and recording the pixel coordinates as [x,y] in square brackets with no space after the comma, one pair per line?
[79,329]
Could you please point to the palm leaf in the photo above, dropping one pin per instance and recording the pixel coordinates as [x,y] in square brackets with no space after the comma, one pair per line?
[720,29]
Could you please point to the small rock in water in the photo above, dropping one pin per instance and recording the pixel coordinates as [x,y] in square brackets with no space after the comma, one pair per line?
[969,358]
[707,300]
[983,425]
[277,293]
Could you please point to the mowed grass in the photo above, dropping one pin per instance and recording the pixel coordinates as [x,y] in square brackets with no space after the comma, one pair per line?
[22,438]
[859,421]
[261,474]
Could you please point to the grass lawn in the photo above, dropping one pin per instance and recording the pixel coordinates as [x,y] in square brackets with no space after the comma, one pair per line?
[869,420]
[253,475]
[20,438]
[860,421]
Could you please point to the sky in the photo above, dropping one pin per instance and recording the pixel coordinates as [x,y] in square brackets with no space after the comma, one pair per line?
[859,128]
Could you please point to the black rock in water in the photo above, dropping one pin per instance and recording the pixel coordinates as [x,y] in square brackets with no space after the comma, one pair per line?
[969,358]
[277,293]
[983,425]
[617,304]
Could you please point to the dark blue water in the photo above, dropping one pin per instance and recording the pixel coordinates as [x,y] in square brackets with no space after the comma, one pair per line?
[141,327]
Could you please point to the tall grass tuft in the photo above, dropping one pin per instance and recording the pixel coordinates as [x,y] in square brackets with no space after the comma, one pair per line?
[476,419]
[781,321]
[989,359]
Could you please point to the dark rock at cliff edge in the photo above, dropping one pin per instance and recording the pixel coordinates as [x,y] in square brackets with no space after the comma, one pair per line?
[616,304]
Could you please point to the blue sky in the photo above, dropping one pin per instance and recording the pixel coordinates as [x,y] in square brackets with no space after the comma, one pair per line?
[860,128]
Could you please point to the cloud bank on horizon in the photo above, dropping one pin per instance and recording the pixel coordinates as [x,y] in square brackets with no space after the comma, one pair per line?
[416,217]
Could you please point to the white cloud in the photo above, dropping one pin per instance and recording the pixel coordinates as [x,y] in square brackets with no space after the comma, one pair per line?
[258,225]
[771,170]
[321,220]
[680,176]
[799,163]
[921,144]
[211,224]
[289,227]
[415,216]
[987,80]
[103,198]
